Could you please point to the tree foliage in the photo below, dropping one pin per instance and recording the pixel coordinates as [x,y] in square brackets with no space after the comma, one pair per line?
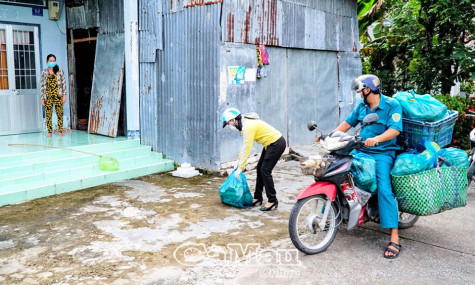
[426,45]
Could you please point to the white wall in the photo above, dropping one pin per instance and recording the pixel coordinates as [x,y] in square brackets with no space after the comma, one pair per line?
[52,34]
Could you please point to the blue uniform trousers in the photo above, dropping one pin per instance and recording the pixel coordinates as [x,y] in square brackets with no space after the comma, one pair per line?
[388,208]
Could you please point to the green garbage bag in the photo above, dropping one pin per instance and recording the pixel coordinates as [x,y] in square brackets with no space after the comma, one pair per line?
[456,157]
[413,162]
[235,192]
[363,169]
[424,108]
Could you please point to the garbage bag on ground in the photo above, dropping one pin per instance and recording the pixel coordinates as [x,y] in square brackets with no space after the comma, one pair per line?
[456,157]
[423,108]
[413,162]
[363,170]
[235,192]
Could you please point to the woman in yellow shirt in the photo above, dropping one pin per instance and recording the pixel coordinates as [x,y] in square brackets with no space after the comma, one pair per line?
[252,129]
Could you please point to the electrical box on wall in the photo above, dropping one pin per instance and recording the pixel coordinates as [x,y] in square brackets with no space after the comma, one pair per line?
[53,10]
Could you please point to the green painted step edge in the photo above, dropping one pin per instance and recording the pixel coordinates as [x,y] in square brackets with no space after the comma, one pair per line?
[68,160]
[101,149]
[71,178]
[6,185]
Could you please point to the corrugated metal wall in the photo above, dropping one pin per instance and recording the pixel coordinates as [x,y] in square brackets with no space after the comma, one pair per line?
[179,91]
[349,67]
[84,17]
[300,86]
[112,16]
[313,51]
[312,24]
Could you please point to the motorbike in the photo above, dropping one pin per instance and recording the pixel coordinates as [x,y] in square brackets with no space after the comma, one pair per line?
[471,158]
[333,200]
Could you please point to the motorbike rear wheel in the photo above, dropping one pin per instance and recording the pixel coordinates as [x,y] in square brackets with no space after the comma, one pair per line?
[407,220]
[305,233]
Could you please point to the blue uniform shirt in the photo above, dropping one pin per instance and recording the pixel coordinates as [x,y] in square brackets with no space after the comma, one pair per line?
[390,117]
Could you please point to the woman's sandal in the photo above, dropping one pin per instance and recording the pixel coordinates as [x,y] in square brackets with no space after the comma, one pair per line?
[388,249]
[256,202]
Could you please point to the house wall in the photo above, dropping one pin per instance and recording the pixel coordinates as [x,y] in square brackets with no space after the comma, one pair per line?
[52,35]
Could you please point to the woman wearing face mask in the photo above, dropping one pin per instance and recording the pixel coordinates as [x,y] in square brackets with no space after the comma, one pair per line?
[53,91]
[253,129]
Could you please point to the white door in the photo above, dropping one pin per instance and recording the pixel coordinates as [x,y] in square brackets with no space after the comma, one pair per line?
[20,107]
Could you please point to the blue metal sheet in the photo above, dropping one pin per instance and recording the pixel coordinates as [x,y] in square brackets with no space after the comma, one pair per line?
[148,104]
[84,17]
[150,29]
[112,16]
[301,85]
[148,46]
[185,87]
[349,67]
[107,85]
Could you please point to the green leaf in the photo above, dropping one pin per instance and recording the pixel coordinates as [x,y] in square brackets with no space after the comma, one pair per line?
[364,6]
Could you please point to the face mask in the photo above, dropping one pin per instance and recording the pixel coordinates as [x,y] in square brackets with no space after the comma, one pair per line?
[358,99]
[232,127]
[51,64]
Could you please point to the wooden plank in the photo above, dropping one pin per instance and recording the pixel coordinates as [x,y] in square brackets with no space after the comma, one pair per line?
[85,40]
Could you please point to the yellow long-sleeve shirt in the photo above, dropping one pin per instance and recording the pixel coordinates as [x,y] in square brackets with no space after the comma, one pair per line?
[255,130]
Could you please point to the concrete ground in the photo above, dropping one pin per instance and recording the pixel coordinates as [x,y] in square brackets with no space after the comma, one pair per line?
[165,230]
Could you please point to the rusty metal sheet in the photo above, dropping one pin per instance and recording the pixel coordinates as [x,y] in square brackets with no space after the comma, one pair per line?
[319,24]
[107,85]
[174,6]
[249,21]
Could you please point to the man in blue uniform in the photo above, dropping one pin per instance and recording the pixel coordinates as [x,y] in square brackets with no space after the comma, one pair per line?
[380,143]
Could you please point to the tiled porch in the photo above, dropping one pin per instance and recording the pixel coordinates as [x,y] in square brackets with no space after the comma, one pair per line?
[29,172]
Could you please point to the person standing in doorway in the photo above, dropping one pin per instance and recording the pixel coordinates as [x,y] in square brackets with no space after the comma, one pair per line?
[53,92]
[253,129]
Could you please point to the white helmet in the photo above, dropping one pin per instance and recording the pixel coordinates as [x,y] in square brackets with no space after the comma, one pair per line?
[230,114]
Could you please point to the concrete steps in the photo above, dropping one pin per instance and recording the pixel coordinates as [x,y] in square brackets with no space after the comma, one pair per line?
[46,172]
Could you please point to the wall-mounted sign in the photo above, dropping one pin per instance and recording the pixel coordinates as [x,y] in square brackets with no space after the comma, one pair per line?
[37,11]
[236,74]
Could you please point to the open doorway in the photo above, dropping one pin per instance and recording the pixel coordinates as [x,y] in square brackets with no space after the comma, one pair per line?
[84,55]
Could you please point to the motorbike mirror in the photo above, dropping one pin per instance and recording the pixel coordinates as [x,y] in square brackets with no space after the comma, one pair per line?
[370,119]
[312,125]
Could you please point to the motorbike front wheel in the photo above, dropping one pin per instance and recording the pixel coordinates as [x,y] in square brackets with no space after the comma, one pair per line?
[304,229]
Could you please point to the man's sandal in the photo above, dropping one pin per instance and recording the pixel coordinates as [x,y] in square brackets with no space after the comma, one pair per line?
[388,249]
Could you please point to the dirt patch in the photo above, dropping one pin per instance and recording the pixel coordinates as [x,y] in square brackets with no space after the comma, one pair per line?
[135,230]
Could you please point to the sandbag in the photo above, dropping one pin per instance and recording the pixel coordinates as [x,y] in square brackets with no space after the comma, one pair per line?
[424,108]
[235,192]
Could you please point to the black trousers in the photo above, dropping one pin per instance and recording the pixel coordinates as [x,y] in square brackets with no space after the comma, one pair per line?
[267,162]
